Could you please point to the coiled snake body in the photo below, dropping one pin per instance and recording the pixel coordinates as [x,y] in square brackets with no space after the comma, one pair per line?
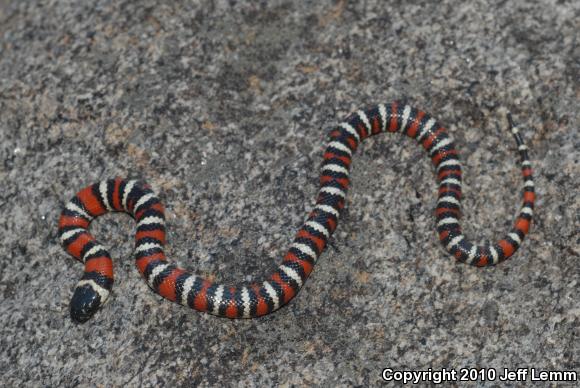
[245,301]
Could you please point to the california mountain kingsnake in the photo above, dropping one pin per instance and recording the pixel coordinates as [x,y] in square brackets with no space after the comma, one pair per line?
[241,301]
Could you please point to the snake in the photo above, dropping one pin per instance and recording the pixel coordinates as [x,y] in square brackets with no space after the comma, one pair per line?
[248,300]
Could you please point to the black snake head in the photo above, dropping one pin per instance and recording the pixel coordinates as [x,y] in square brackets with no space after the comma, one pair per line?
[85,303]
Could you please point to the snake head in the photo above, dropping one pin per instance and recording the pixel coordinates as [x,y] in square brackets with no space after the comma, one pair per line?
[87,299]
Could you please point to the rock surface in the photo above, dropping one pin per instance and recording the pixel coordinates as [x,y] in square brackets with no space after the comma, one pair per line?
[224,108]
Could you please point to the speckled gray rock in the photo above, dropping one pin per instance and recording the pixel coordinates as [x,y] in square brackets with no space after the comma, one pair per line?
[223,107]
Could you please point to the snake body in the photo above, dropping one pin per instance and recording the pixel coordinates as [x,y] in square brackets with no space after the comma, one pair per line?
[245,301]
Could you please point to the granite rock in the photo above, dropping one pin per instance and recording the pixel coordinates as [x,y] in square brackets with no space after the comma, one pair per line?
[224,107]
